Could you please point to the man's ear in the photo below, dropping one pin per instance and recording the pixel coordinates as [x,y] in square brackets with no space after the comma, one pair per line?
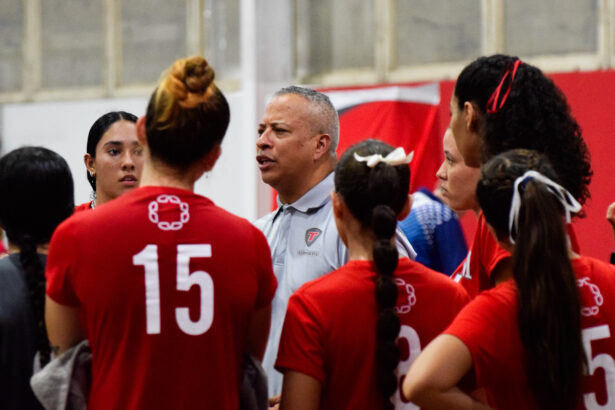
[405,211]
[323,146]
[141,137]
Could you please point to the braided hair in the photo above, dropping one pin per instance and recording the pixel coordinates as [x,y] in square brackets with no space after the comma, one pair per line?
[37,190]
[375,196]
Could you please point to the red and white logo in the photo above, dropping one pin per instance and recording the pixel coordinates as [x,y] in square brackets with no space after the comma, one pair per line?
[311,235]
[153,210]
[406,296]
[595,294]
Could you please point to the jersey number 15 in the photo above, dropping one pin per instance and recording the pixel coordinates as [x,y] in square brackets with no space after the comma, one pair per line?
[148,258]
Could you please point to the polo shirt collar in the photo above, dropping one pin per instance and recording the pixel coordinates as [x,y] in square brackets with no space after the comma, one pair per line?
[315,198]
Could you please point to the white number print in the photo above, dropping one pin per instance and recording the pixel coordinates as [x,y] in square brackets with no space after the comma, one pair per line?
[148,258]
[410,347]
[603,361]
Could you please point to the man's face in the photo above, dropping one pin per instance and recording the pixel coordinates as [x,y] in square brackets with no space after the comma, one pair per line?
[286,142]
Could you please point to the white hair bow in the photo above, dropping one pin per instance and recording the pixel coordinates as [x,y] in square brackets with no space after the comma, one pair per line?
[396,157]
[566,199]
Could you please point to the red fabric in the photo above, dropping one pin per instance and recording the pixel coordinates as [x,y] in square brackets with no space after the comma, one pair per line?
[329,331]
[400,124]
[83,207]
[574,241]
[488,327]
[91,265]
[485,253]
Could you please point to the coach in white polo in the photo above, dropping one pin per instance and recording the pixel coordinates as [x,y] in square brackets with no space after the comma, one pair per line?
[296,155]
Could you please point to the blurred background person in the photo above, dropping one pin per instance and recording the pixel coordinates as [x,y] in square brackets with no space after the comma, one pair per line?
[37,190]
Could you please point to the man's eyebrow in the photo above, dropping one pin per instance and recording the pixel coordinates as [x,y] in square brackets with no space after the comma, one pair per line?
[279,123]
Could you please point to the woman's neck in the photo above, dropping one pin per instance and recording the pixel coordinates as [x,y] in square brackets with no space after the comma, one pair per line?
[358,250]
[360,242]
[157,174]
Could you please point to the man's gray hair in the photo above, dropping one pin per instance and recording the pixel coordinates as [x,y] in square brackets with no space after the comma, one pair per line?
[323,109]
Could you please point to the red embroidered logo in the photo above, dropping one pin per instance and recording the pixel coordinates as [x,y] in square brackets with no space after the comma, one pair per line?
[311,235]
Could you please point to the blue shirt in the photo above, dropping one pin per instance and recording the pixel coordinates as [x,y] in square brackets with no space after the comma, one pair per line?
[434,231]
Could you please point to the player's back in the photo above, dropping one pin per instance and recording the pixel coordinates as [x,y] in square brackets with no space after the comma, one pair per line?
[342,306]
[169,283]
[596,284]
[427,303]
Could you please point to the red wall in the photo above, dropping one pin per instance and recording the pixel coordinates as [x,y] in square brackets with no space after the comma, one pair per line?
[591,96]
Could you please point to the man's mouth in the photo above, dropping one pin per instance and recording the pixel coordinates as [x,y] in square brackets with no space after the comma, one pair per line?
[263,160]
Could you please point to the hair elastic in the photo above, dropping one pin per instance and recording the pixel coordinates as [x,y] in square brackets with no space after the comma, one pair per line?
[570,204]
[492,103]
[396,157]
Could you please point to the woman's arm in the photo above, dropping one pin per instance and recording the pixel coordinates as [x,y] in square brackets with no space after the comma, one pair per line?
[63,326]
[432,379]
[300,392]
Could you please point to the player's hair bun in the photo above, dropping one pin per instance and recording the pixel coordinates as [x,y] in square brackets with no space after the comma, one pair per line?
[190,81]
[198,74]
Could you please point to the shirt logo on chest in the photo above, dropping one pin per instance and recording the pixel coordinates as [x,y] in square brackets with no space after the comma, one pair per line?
[311,235]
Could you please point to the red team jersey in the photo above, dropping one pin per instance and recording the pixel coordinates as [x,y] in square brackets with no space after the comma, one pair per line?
[474,273]
[330,328]
[488,327]
[168,283]
[83,207]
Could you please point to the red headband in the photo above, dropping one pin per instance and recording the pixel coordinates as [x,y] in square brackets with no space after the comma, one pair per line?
[492,103]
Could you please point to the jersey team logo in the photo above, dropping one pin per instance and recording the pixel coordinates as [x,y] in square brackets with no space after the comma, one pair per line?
[184,214]
[595,293]
[406,290]
[311,235]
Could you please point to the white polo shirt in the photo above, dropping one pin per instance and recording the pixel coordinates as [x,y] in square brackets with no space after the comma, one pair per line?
[304,246]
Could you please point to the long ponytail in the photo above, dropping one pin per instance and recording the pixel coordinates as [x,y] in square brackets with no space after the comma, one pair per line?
[375,196]
[549,308]
[549,313]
